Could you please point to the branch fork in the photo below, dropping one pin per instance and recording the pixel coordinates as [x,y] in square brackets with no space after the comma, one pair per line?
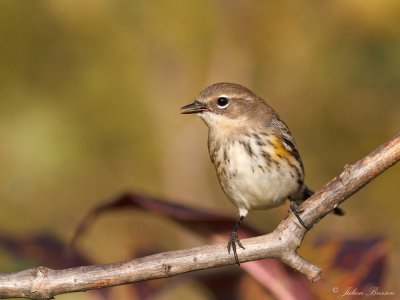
[282,243]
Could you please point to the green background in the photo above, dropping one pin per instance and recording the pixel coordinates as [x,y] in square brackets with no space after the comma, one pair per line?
[90,93]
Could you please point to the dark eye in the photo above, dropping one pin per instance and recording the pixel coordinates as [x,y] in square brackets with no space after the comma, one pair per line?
[222,102]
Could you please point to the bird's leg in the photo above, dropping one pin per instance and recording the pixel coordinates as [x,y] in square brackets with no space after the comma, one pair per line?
[235,240]
[294,207]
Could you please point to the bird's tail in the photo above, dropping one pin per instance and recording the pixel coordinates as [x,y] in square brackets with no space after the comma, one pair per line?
[305,193]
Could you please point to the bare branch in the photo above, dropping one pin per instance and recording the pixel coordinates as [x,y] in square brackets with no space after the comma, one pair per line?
[282,243]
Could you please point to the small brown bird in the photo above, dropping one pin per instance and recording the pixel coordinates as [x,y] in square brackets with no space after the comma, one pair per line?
[253,151]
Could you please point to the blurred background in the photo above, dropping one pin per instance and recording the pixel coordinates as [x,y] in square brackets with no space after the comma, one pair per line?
[90,93]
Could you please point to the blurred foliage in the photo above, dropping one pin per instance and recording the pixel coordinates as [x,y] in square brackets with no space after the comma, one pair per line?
[356,263]
[89,98]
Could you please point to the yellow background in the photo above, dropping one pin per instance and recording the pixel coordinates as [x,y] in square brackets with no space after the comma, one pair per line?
[90,93]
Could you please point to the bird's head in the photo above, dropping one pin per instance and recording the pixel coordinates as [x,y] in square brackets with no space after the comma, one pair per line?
[227,104]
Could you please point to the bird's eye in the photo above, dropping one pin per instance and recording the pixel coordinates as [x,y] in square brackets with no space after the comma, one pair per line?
[222,102]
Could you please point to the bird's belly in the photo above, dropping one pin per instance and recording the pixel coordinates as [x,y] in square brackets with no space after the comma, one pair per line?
[253,184]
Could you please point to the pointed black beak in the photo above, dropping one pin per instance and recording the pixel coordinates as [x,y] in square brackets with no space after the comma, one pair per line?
[194,108]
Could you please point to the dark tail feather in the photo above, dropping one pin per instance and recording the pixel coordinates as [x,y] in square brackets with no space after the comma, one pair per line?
[338,211]
[308,193]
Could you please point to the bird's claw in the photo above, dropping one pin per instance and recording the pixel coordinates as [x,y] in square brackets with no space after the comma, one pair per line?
[232,244]
[297,211]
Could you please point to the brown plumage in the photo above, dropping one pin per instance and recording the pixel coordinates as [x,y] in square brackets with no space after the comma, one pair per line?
[255,156]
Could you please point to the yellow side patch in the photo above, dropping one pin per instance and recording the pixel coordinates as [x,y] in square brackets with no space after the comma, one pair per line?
[280,151]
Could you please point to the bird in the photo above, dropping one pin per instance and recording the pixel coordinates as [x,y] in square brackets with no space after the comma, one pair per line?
[254,154]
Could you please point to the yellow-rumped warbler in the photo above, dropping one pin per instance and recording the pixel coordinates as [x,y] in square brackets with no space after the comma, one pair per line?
[253,151]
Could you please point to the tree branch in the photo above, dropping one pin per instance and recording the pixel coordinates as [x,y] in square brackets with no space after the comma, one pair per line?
[282,243]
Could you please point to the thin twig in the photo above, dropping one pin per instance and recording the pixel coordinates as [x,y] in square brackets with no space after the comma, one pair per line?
[282,243]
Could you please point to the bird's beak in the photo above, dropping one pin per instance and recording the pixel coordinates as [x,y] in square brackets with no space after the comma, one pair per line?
[194,108]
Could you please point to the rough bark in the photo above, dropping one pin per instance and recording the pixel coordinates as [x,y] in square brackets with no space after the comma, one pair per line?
[282,243]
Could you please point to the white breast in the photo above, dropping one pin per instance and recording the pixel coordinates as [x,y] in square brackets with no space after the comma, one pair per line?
[252,183]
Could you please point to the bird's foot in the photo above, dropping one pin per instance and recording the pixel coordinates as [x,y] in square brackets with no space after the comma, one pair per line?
[297,211]
[232,244]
